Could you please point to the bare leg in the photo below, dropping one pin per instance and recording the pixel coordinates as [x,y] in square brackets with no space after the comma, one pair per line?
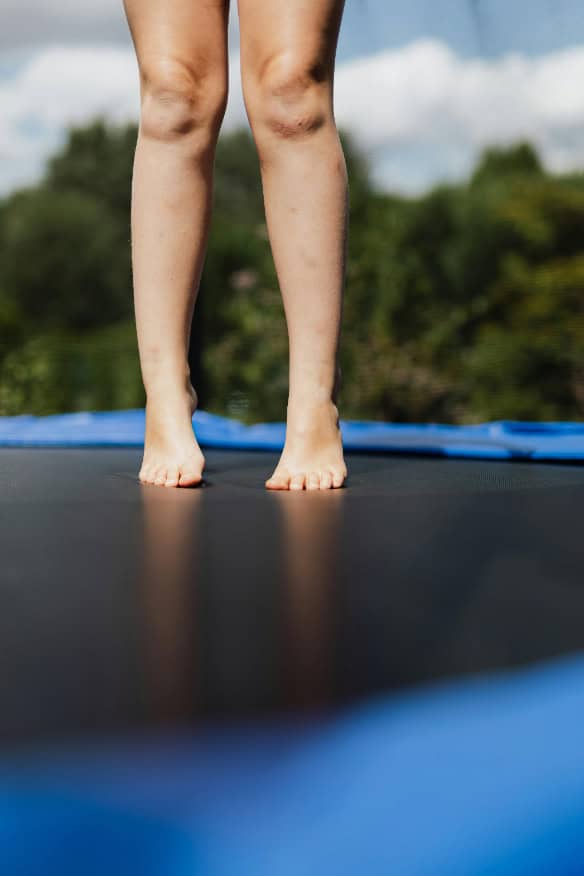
[181,47]
[287,57]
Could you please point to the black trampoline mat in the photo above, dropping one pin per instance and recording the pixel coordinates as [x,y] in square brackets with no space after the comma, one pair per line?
[128,606]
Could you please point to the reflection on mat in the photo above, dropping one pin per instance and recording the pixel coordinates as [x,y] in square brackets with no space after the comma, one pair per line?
[501,439]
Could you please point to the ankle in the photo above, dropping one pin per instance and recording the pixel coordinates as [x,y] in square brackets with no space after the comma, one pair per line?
[310,411]
[164,370]
[171,391]
[314,395]
[319,387]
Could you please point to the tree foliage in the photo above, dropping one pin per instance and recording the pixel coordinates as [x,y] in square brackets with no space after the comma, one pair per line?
[463,305]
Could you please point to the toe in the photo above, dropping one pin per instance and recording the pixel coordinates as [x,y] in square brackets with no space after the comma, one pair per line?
[297,482]
[189,477]
[172,476]
[339,475]
[280,480]
[146,474]
[313,481]
[326,480]
[160,476]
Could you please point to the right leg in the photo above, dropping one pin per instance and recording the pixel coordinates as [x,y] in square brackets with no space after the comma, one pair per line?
[181,48]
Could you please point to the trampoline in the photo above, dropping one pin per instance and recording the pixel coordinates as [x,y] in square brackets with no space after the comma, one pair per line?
[187,674]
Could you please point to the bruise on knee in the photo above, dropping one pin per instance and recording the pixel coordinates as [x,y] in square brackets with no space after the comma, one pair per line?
[295,124]
[292,99]
[176,100]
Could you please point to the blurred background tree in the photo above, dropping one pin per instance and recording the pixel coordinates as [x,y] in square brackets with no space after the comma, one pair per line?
[463,305]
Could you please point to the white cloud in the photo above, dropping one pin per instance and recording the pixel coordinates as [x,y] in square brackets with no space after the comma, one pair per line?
[421,112]
[30,23]
[425,114]
[59,87]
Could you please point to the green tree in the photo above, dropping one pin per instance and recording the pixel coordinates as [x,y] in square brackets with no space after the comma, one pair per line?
[461,305]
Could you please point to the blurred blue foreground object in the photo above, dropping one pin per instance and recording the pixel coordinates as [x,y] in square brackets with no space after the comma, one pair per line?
[464,779]
[502,439]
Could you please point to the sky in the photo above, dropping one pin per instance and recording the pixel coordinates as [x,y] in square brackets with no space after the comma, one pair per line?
[423,85]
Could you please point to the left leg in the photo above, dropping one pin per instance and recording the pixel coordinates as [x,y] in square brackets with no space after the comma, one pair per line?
[287,66]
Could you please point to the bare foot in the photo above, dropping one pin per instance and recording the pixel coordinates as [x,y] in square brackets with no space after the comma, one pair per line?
[172,456]
[312,457]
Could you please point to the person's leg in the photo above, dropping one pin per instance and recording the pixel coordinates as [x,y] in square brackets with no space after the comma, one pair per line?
[181,47]
[287,65]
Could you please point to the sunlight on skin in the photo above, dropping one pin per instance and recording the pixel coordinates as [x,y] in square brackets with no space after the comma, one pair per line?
[287,65]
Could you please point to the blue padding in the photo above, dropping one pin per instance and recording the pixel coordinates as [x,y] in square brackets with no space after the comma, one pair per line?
[501,439]
[482,777]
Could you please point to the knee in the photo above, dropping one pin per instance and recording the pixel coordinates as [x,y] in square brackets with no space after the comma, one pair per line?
[181,101]
[289,98]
